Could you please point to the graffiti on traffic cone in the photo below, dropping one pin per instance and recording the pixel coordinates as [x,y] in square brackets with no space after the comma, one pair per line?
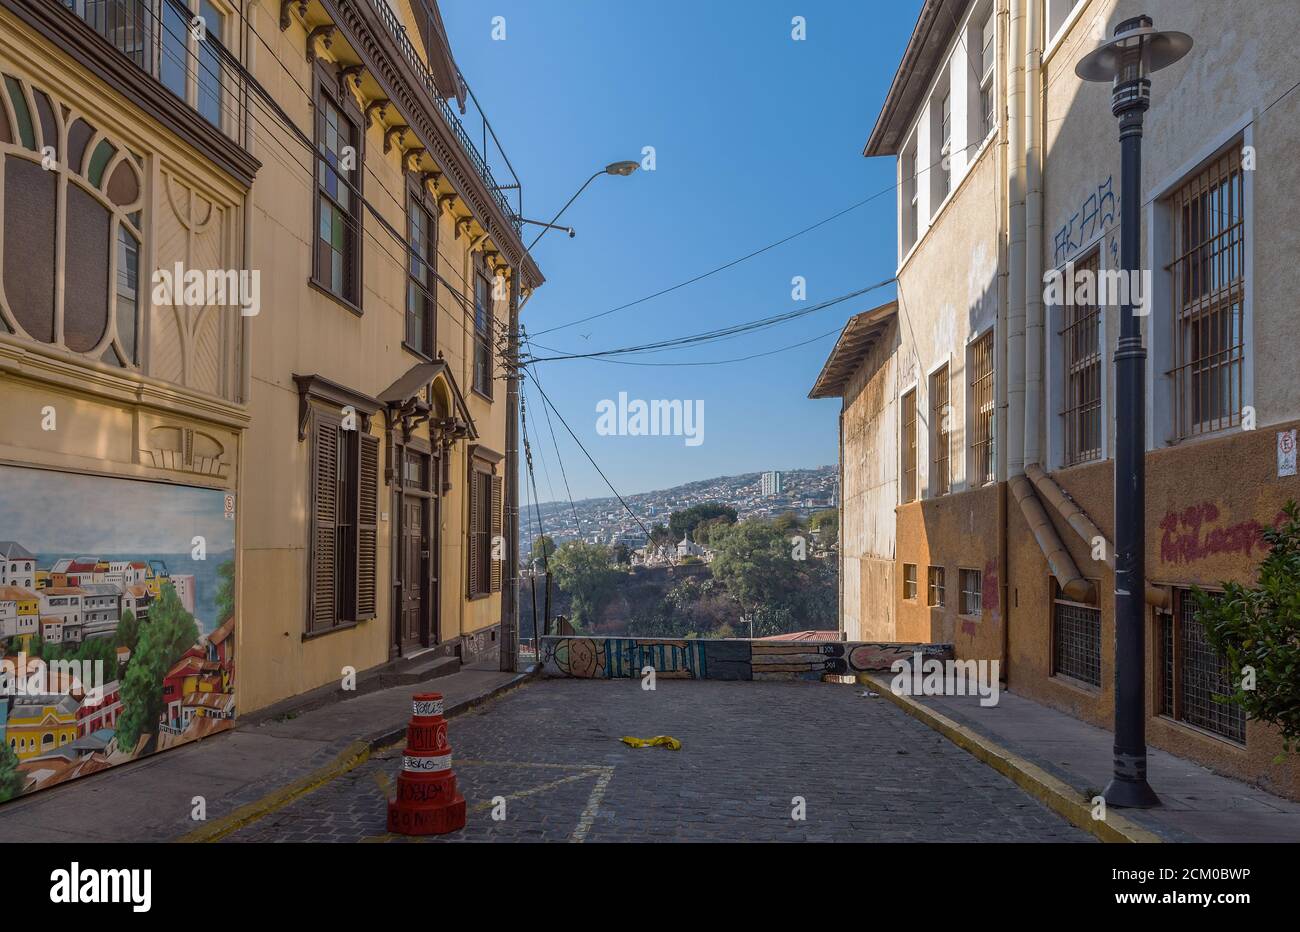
[427,801]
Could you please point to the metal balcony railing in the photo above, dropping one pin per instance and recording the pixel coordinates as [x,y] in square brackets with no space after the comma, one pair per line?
[484,157]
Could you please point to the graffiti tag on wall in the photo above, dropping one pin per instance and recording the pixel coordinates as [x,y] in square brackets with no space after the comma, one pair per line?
[1188,537]
[1095,214]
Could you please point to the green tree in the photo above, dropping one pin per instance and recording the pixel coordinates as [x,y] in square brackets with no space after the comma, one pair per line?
[683,523]
[1259,628]
[622,555]
[827,525]
[11,779]
[584,572]
[171,631]
[225,596]
[661,536]
[128,630]
[789,521]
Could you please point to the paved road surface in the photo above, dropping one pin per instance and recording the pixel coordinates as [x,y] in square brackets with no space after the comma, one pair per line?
[864,770]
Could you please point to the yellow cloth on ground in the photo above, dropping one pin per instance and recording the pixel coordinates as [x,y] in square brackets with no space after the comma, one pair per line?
[664,741]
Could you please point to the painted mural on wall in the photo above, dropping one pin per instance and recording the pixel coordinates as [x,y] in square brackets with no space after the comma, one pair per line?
[701,659]
[116,622]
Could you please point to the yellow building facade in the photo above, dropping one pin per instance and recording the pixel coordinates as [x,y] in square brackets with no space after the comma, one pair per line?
[255,286]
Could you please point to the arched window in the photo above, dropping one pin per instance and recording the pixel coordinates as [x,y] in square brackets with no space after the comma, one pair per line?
[70,230]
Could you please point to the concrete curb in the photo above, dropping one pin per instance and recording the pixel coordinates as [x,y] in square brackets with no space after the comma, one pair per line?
[1052,792]
[353,756]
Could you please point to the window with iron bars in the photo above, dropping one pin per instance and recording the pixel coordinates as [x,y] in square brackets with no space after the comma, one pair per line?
[935,595]
[971,596]
[940,431]
[909,581]
[1193,674]
[982,407]
[1209,285]
[908,442]
[1081,370]
[1076,640]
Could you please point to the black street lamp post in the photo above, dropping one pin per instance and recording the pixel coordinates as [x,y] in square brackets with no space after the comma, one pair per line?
[1127,60]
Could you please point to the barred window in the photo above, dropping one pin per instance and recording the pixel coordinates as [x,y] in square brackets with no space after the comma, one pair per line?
[1193,675]
[988,56]
[1081,369]
[1076,640]
[1208,275]
[935,595]
[982,408]
[971,601]
[908,444]
[909,580]
[940,434]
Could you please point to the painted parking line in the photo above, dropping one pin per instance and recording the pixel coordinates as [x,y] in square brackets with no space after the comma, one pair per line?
[601,772]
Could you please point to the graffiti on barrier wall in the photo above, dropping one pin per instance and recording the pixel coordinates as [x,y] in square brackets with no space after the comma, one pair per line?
[700,659]
[116,622]
[1189,535]
[1094,215]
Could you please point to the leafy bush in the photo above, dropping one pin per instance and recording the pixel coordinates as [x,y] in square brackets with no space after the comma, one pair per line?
[1259,628]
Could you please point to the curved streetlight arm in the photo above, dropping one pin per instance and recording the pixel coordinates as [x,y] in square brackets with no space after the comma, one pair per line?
[556,218]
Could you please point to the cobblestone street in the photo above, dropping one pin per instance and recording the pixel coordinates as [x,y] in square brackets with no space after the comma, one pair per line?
[865,770]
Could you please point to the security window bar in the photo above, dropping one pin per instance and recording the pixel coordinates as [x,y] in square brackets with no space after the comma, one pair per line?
[1081,371]
[971,601]
[935,595]
[940,434]
[1076,641]
[981,390]
[1209,284]
[1195,675]
[482,336]
[909,446]
[909,581]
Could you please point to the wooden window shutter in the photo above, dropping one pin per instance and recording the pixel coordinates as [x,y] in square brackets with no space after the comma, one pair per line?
[367,526]
[496,532]
[324,519]
[474,519]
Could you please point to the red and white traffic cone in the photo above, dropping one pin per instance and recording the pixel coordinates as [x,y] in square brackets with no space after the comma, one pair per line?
[427,800]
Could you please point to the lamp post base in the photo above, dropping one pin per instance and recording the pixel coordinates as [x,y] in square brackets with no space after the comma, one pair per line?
[1130,794]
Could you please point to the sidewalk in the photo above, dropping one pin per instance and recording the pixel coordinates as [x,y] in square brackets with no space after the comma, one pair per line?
[1198,805]
[152,800]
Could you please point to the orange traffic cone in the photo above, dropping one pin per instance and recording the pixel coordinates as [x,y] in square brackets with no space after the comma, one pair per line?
[427,800]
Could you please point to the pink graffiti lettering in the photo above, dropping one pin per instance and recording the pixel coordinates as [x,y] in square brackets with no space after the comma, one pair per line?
[1184,542]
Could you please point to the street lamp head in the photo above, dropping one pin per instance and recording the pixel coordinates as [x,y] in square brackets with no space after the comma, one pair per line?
[1136,51]
[621,168]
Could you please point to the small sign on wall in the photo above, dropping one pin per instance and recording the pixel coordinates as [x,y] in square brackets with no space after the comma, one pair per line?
[1286,459]
[230,507]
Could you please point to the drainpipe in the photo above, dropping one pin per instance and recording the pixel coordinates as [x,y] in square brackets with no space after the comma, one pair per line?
[1073,584]
[1016,240]
[1086,529]
[1033,239]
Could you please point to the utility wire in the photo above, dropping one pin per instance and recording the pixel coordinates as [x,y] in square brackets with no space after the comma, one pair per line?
[714,335]
[620,498]
[563,474]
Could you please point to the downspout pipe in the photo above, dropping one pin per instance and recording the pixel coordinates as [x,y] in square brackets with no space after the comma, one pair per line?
[1015,336]
[1078,519]
[1034,312]
[1074,585]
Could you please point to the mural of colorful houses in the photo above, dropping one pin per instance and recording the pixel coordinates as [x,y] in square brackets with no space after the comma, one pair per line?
[65,615]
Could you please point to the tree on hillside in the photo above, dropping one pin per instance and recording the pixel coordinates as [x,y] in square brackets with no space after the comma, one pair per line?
[622,555]
[543,548]
[11,779]
[757,564]
[827,525]
[128,630]
[585,574]
[789,521]
[683,523]
[225,598]
[660,536]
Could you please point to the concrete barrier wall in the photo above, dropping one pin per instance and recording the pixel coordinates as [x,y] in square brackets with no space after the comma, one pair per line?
[732,659]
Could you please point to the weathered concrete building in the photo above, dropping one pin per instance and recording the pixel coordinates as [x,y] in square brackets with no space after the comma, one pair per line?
[1000,402]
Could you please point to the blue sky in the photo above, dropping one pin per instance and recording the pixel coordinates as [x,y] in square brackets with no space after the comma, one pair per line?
[756,136]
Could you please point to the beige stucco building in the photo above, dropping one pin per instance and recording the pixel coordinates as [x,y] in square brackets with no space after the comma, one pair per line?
[256,281]
[978,421]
